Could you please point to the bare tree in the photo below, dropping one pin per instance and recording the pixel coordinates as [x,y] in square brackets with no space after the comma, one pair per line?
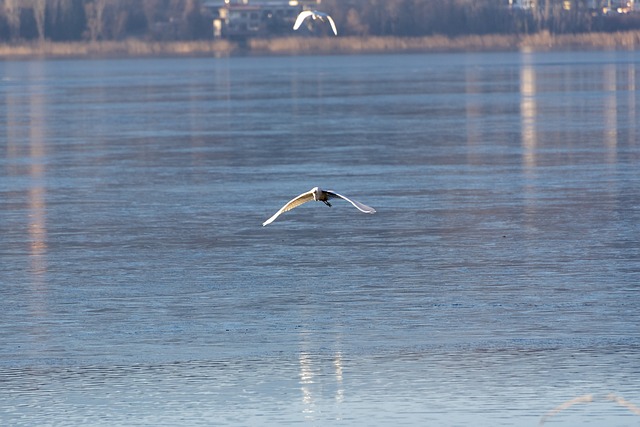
[119,16]
[354,22]
[58,9]
[12,14]
[151,10]
[94,11]
[39,10]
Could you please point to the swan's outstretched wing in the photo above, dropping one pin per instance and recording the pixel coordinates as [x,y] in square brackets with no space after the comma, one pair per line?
[303,198]
[361,207]
[333,25]
[301,17]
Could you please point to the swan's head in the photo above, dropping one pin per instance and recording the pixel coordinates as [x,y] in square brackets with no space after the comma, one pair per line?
[317,193]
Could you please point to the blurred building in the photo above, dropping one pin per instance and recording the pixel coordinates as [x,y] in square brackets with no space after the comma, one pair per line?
[522,4]
[619,6]
[602,6]
[242,19]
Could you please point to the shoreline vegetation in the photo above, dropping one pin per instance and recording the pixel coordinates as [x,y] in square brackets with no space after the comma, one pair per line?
[543,41]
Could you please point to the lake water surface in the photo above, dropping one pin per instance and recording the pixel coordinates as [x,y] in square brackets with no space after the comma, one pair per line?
[499,278]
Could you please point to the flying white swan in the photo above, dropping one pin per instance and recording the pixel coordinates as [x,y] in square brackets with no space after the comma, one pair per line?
[318,195]
[315,15]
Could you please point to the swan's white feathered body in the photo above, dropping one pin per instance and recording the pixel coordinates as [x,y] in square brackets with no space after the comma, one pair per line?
[318,195]
[315,15]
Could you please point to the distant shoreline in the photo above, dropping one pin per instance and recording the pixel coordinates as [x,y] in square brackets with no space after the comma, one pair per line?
[543,41]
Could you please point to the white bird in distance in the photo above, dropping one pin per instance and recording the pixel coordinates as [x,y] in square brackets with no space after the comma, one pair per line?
[315,15]
[318,195]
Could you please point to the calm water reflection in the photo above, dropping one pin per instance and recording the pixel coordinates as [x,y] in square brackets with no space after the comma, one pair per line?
[498,279]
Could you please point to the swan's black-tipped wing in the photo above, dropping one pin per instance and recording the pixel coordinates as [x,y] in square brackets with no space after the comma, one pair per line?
[360,206]
[303,198]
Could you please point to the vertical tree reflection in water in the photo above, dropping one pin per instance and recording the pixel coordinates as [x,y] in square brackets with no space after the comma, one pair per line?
[321,380]
[529,142]
[37,188]
[632,131]
[610,88]
[528,113]
[26,132]
[306,384]
[39,295]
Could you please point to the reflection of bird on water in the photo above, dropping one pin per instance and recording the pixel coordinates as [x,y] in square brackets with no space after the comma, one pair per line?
[315,15]
[588,398]
[318,195]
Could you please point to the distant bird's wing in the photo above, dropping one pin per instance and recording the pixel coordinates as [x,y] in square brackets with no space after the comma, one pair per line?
[333,25]
[361,207]
[301,17]
[303,198]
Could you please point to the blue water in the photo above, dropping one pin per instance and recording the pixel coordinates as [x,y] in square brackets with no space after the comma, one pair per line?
[498,279]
